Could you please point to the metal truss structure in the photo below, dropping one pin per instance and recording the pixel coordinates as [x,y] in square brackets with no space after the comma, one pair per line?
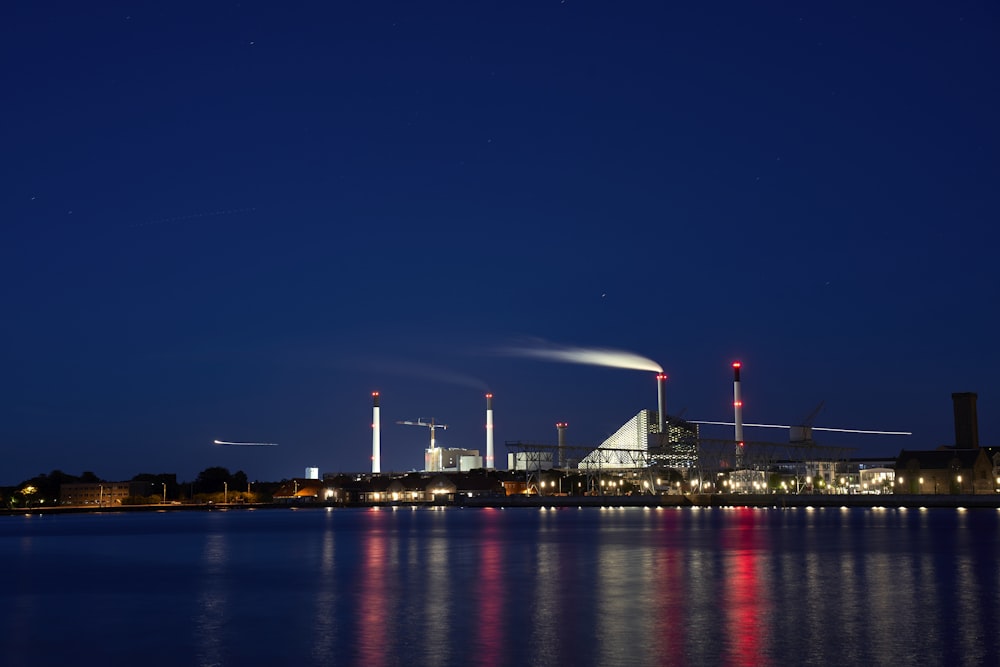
[713,457]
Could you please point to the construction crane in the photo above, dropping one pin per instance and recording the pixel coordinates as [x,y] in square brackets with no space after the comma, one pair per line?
[803,433]
[431,425]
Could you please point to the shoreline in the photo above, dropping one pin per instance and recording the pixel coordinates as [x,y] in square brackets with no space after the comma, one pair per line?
[915,501]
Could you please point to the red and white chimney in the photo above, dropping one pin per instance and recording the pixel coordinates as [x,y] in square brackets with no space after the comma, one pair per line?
[738,413]
[737,403]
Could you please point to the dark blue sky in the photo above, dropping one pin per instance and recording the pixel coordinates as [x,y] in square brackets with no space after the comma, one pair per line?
[233,220]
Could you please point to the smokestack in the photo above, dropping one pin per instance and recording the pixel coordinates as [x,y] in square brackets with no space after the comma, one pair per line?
[661,402]
[561,450]
[376,436]
[738,413]
[489,431]
[966,421]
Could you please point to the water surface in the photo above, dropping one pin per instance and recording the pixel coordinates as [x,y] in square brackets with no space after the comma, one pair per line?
[453,586]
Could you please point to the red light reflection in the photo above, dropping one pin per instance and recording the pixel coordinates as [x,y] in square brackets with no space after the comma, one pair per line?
[374,617]
[747,610]
[490,592]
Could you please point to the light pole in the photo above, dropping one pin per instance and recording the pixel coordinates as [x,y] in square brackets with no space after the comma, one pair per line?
[225,492]
[164,492]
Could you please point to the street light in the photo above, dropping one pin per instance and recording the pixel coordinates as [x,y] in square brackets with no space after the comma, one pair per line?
[164,492]
[225,492]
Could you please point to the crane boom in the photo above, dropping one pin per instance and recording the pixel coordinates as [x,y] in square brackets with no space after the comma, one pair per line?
[432,425]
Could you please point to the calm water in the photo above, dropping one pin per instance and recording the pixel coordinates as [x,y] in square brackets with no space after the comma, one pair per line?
[503,587]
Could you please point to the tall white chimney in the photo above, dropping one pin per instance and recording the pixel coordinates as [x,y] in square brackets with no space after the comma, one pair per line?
[489,431]
[376,436]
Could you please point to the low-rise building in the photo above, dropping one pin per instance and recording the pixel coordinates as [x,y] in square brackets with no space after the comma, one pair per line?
[101,494]
[946,470]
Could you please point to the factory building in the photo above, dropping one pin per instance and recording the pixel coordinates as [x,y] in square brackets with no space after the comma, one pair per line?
[679,449]
[530,461]
[639,443]
[451,459]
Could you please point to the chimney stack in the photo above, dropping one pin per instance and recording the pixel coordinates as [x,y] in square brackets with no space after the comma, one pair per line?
[738,413]
[966,421]
[376,436]
[561,451]
[661,402]
[489,432]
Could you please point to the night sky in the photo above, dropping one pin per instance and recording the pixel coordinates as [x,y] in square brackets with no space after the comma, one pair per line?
[237,220]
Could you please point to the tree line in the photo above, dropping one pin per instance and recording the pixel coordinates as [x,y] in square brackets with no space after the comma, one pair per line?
[214,484]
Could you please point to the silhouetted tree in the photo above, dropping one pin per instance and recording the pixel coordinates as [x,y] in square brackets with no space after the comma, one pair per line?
[239,481]
[212,480]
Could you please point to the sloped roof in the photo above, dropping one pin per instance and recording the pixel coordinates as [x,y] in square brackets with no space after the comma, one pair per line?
[938,459]
[299,488]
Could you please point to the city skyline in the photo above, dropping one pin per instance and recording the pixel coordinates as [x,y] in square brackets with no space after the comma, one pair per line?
[236,222]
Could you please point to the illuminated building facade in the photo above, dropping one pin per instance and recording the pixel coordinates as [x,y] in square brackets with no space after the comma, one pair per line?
[638,443]
[451,459]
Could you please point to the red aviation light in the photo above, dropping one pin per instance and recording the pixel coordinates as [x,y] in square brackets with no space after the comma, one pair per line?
[737,364]
[374,393]
[741,443]
[737,404]
[661,376]
[489,395]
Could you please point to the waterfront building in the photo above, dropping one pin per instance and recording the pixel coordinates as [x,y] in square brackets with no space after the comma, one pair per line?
[945,470]
[300,490]
[101,494]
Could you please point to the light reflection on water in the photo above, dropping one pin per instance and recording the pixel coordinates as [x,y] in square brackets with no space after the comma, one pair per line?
[325,617]
[503,587]
[490,591]
[373,599]
[213,607]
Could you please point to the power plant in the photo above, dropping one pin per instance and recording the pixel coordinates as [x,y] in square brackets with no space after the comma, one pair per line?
[654,445]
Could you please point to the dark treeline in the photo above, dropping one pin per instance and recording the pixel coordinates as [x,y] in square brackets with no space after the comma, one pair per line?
[213,484]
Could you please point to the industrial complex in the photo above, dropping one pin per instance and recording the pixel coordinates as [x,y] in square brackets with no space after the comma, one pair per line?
[653,457]
[654,453]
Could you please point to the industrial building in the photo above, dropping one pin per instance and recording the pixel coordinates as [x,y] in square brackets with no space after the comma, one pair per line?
[640,442]
[451,459]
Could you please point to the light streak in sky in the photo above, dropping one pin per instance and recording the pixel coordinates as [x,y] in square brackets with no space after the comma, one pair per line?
[245,444]
[815,428]
[592,356]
